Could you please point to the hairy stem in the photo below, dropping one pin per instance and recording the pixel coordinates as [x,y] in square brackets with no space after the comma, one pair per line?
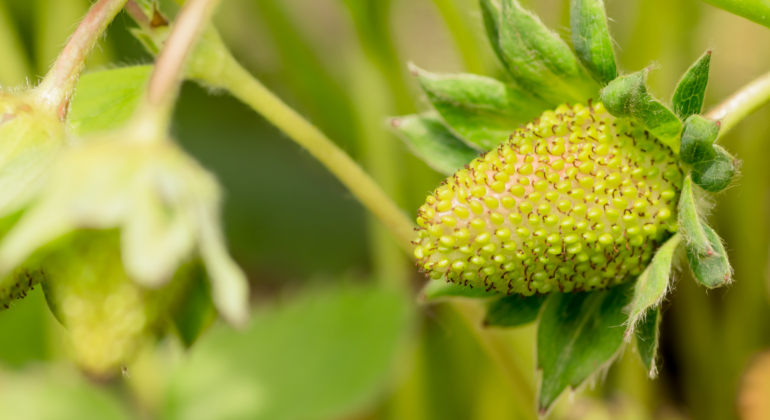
[742,103]
[59,84]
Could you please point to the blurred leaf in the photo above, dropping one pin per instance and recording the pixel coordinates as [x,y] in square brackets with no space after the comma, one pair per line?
[195,311]
[15,68]
[60,397]
[652,285]
[691,90]
[714,175]
[539,60]
[513,311]
[105,100]
[483,110]
[321,356]
[698,138]
[757,11]
[753,403]
[490,12]
[591,39]
[627,96]
[711,269]
[435,290]
[24,325]
[689,222]
[647,339]
[578,335]
[432,142]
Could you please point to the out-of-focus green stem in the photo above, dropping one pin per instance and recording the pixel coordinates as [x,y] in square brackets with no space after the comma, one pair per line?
[462,35]
[757,11]
[15,68]
[742,103]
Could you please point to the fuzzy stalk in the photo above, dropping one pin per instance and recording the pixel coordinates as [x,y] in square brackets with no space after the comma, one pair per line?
[742,103]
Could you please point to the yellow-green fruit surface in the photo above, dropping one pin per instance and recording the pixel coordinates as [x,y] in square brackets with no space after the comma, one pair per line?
[576,200]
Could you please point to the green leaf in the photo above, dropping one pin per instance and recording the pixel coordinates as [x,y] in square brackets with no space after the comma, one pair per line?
[437,290]
[698,139]
[691,90]
[513,311]
[539,60]
[105,100]
[325,355]
[627,96]
[652,285]
[714,175]
[579,334]
[591,39]
[195,311]
[711,269]
[490,12]
[647,338]
[690,224]
[483,110]
[432,142]
[757,11]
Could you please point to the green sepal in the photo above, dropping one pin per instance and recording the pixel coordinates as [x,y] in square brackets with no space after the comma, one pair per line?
[652,285]
[711,270]
[690,225]
[194,311]
[513,311]
[483,110]
[432,142]
[577,337]
[591,39]
[691,89]
[716,174]
[647,339]
[698,137]
[539,61]
[437,290]
[627,96]
[490,13]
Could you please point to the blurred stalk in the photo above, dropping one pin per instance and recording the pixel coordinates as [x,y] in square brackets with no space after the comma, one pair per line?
[15,66]
[757,11]
[462,34]
[742,103]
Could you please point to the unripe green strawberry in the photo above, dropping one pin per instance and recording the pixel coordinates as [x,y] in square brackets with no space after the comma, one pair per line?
[576,200]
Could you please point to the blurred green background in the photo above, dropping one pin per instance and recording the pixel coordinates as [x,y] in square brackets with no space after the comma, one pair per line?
[294,228]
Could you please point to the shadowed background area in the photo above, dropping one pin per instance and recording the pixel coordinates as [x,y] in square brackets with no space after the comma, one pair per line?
[292,226]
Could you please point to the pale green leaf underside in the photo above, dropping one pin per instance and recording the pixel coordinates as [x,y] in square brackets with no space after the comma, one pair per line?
[326,355]
[513,311]
[105,100]
[432,142]
[539,61]
[651,286]
[691,90]
[647,339]
[436,290]
[483,110]
[578,335]
[591,39]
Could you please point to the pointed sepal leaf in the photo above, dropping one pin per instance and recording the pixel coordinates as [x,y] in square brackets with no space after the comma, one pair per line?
[513,311]
[698,137]
[483,110]
[715,174]
[627,96]
[432,142]
[539,61]
[651,286]
[438,290]
[577,337]
[691,90]
[591,39]
[490,13]
[690,225]
[647,339]
[711,270]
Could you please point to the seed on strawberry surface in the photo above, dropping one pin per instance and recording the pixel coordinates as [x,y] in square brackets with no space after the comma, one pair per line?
[576,200]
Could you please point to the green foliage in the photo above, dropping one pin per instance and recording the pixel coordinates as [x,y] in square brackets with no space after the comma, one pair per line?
[323,356]
[105,100]
[652,285]
[754,10]
[716,173]
[711,269]
[432,142]
[194,311]
[691,90]
[690,224]
[539,60]
[698,137]
[437,290]
[577,337]
[627,96]
[647,340]
[513,311]
[483,110]
[591,39]
[490,12]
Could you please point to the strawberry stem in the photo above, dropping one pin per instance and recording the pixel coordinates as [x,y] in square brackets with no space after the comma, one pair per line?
[742,103]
